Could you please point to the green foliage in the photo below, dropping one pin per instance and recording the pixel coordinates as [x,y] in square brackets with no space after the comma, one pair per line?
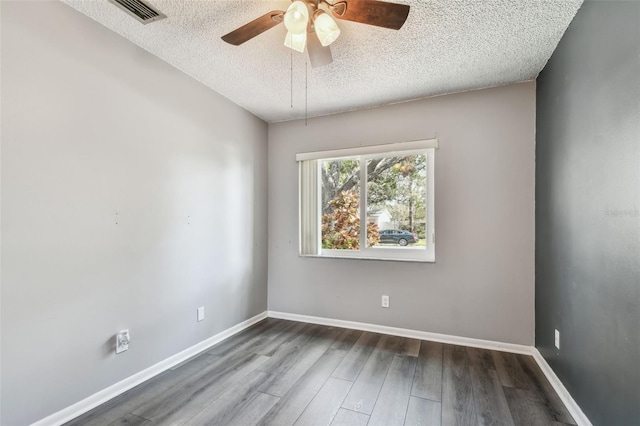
[400,189]
[341,227]
[337,176]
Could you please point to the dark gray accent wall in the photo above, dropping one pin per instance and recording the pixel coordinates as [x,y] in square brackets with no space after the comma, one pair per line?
[588,211]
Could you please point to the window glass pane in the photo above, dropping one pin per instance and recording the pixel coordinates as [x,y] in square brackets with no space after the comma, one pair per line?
[396,201]
[340,204]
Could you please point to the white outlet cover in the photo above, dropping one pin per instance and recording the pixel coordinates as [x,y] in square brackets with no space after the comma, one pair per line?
[557,339]
[201,313]
[385,301]
[122,341]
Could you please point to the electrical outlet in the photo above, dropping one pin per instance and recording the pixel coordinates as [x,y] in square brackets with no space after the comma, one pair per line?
[385,301]
[557,339]
[200,313]
[122,341]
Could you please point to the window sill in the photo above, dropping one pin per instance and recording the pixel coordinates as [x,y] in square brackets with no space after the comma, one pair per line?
[326,256]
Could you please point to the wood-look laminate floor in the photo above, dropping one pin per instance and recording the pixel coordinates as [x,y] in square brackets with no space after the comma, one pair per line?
[288,373]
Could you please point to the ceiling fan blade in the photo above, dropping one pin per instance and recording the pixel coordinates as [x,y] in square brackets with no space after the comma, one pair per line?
[372,12]
[254,28]
[319,55]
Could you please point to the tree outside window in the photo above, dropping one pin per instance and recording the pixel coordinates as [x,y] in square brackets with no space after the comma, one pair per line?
[395,184]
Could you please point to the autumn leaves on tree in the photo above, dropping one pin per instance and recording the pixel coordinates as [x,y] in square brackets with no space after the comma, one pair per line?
[395,184]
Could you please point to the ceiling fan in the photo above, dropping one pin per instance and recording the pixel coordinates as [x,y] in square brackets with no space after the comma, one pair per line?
[310,24]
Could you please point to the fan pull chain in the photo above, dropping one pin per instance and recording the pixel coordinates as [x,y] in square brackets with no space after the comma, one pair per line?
[306,92]
[291,86]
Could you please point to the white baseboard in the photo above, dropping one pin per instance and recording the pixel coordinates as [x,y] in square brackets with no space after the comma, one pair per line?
[575,410]
[122,386]
[569,402]
[404,332]
[111,392]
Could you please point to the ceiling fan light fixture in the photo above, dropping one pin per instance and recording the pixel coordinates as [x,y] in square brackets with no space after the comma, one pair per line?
[296,42]
[296,19]
[326,27]
[317,16]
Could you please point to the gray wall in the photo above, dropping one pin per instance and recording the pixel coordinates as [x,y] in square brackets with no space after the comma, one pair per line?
[588,211]
[482,283]
[91,125]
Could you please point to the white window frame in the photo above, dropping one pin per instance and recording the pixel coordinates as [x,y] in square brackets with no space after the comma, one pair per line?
[310,205]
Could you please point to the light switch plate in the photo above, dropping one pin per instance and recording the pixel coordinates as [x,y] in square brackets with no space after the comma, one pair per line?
[557,339]
[200,313]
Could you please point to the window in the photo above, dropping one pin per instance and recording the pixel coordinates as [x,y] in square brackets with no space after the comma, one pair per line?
[389,188]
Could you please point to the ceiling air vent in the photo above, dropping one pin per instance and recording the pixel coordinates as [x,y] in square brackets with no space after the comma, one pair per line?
[140,10]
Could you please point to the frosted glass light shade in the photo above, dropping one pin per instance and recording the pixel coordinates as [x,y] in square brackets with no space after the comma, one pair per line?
[296,42]
[296,18]
[326,29]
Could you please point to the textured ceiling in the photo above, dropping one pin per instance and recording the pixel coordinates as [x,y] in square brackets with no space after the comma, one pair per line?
[445,46]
